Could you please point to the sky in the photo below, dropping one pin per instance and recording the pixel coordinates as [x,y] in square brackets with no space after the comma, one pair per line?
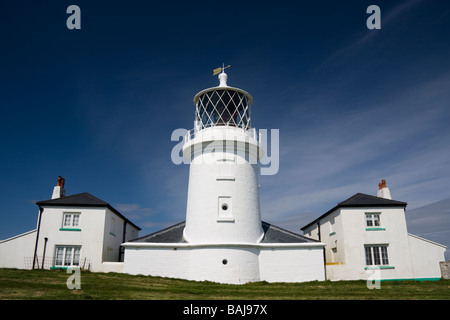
[353,105]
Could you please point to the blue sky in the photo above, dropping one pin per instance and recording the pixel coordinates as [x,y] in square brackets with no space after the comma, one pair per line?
[353,106]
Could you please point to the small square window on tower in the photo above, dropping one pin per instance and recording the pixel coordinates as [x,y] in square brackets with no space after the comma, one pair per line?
[224,209]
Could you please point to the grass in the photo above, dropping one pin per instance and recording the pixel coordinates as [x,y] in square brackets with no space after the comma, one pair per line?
[51,285]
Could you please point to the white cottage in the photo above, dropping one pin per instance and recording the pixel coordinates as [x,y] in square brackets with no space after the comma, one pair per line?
[72,231]
[367,237]
[223,238]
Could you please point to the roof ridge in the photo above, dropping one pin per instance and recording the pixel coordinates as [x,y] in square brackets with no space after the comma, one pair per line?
[92,196]
[73,196]
[379,199]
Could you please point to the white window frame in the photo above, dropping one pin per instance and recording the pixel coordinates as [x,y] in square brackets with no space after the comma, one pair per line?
[371,221]
[69,218]
[376,255]
[70,256]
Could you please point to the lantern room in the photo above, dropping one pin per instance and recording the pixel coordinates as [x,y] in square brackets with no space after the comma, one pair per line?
[223,106]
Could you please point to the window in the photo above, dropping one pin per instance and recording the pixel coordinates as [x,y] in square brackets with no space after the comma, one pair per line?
[67,256]
[225,209]
[71,220]
[376,255]
[373,219]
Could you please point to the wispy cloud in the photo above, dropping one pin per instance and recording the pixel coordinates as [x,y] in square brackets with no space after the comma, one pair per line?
[351,49]
[403,140]
[134,211]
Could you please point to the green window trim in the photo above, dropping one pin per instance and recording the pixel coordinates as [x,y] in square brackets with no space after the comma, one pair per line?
[64,268]
[379,267]
[375,229]
[69,229]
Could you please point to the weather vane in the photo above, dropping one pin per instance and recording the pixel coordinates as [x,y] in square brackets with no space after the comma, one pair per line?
[220,69]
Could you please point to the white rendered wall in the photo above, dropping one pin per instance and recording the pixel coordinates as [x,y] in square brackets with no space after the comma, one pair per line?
[223,173]
[114,237]
[14,251]
[164,261]
[409,256]
[425,257]
[99,234]
[393,233]
[244,263]
[90,238]
[224,264]
[298,264]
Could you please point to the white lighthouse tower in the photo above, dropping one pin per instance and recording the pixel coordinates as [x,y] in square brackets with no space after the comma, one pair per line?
[223,149]
[223,238]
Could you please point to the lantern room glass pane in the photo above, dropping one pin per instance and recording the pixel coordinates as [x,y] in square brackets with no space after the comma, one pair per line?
[223,108]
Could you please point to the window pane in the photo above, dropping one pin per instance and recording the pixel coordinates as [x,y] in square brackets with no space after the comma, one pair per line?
[369,220]
[59,256]
[376,256]
[67,219]
[76,219]
[68,257]
[376,220]
[76,256]
[384,255]
[368,256]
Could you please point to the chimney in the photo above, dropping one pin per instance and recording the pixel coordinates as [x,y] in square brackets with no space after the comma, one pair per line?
[58,190]
[383,191]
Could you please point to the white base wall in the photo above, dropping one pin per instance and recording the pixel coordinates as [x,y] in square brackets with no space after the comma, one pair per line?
[292,264]
[111,267]
[425,257]
[419,260]
[232,264]
[17,252]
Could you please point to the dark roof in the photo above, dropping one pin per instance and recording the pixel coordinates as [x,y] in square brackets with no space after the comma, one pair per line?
[172,234]
[272,234]
[361,200]
[82,200]
[366,200]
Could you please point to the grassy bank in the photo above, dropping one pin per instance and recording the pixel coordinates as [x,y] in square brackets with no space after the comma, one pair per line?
[51,284]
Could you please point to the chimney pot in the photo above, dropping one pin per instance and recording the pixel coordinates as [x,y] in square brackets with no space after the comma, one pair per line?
[383,191]
[58,190]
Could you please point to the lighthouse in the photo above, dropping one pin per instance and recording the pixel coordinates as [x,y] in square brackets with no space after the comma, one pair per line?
[223,150]
[223,238]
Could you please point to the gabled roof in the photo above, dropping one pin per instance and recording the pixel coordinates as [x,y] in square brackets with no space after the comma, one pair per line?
[82,200]
[361,200]
[272,234]
[366,200]
[172,234]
